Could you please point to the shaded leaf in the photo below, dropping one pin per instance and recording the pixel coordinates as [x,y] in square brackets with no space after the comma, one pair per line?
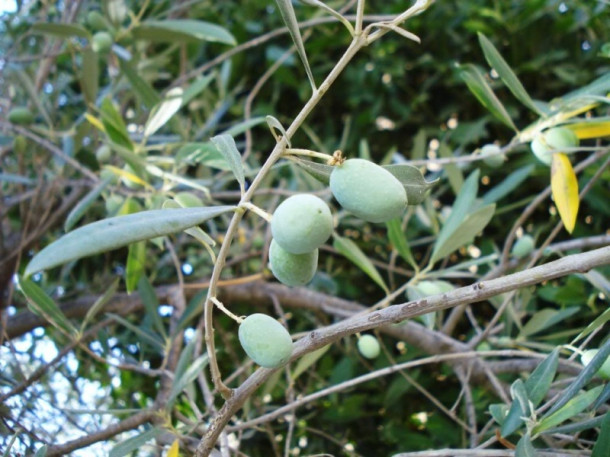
[565,190]
[351,251]
[546,318]
[398,239]
[274,125]
[83,205]
[573,407]
[183,30]
[136,261]
[465,232]
[497,62]
[145,334]
[142,89]
[290,19]
[583,377]
[43,305]
[114,125]
[41,451]
[598,322]
[474,79]
[226,146]
[61,30]
[180,383]
[498,411]
[135,442]
[332,12]
[119,231]
[100,303]
[602,445]
[202,153]
[412,180]
[525,448]
[512,181]
[90,76]
[148,295]
[320,171]
[307,361]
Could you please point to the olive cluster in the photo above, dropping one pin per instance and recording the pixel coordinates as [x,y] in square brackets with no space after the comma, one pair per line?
[300,225]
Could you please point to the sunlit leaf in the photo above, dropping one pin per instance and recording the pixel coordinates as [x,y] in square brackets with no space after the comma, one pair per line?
[164,111]
[136,262]
[398,239]
[588,130]
[474,79]
[290,19]
[129,445]
[510,183]
[226,146]
[351,251]
[412,180]
[573,407]
[565,190]
[189,376]
[119,231]
[174,449]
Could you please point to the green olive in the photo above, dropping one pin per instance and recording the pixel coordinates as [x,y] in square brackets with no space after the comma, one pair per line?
[265,340]
[302,223]
[557,139]
[292,269]
[491,156]
[20,115]
[101,42]
[367,190]
[368,346]
[523,247]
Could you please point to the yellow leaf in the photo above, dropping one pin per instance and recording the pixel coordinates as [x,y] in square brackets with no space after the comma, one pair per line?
[173,449]
[95,122]
[587,130]
[565,190]
[127,175]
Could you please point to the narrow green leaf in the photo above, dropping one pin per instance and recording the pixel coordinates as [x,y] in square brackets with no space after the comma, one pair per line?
[412,180]
[202,153]
[164,111]
[546,318]
[120,231]
[136,262]
[525,448]
[131,444]
[274,125]
[183,30]
[465,233]
[320,171]
[583,378]
[290,19]
[307,361]
[519,394]
[399,241]
[573,407]
[241,127]
[474,79]
[603,397]
[193,308]
[497,62]
[454,173]
[461,207]
[41,451]
[512,181]
[602,445]
[195,232]
[539,382]
[16,179]
[114,125]
[351,251]
[575,427]
[83,205]
[332,12]
[99,304]
[90,76]
[61,30]
[141,87]
[536,388]
[149,298]
[196,88]
[185,359]
[151,338]
[226,146]
[498,411]
[180,383]
[43,305]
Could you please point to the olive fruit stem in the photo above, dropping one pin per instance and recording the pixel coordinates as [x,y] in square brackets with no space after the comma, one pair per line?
[308,153]
[257,210]
[359,17]
[222,307]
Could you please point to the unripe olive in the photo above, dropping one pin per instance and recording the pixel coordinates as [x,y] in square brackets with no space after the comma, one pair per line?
[587,356]
[96,21]
[523,247]
[367,190]
[101,42]
[103,153]
[292,269]
[265,340]
[20,144]
[492,157]
[302,223]
[368,346]
[20,115]
[553,140]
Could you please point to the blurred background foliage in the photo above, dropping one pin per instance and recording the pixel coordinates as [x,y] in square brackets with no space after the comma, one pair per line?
[396,101]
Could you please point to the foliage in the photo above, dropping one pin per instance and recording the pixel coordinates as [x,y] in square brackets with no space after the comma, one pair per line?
[144,146]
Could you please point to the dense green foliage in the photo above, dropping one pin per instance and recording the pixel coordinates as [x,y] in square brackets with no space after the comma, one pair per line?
[113,108]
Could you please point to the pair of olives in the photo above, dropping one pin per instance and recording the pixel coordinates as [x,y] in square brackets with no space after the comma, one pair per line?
[302,223]
[557,139]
